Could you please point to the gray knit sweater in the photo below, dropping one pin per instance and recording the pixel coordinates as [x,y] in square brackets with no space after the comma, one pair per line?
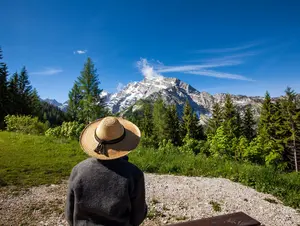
[106,193]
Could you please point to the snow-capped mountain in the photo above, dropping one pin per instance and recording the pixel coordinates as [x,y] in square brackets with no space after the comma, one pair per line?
[62,106]
[173,91]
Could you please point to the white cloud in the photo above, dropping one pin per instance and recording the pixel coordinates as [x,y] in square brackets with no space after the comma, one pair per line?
[120,86]
[47,71]
[147,69]
[153,71]
[80,52]
[237,57]
[195,67]
[218,74]
[232,49]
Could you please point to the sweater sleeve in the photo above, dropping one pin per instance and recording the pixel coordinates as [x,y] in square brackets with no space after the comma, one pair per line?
[69,209]
[138,203]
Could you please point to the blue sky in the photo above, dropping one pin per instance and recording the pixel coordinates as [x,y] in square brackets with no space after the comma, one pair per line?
[240,47]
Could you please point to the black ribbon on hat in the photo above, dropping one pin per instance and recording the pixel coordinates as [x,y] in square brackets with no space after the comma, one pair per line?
[101,147]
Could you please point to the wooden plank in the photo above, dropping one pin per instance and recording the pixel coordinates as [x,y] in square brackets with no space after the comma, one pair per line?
[239,218]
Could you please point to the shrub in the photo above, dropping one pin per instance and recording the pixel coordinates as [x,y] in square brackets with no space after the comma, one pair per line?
[53,132]
[148,142]
[25,124]
[69,130]
[190,145]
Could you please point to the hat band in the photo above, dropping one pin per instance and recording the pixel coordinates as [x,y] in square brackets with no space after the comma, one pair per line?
[101,148]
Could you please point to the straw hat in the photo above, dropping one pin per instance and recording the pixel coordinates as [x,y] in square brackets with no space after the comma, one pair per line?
[109,138]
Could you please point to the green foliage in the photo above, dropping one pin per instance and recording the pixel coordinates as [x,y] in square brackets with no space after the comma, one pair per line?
[71,130]
[190,126]
[220,143]
[159,120]
[191,146]
[173,125]
[248,124]
[52,114]
[85,103]
[285,186]
[149,142]
[216,120]
[291,116]
[4,93]
[25,124]
[74,99]
[147,120]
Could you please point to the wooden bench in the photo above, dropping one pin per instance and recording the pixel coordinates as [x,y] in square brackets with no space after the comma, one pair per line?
[233,219]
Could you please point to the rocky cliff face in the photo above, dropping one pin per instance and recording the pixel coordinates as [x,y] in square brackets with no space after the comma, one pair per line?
[174,91]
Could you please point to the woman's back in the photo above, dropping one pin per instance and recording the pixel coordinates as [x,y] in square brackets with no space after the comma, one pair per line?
[106,193]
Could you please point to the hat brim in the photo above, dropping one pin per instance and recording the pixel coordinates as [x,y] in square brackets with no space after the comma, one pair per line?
[88,143]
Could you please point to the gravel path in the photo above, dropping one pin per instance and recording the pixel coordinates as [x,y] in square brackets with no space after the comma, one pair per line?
[170,199]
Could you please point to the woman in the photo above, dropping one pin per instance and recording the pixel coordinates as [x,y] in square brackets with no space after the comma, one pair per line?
[106,189]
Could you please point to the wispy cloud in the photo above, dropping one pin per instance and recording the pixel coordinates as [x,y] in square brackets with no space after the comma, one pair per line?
[120,86]
[219,75]
[184,68]
[231,49]
[153,71]
[236,57]
[47,71]
[80,52]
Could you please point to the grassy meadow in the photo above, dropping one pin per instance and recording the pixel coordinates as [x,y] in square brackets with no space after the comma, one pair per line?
[30,160]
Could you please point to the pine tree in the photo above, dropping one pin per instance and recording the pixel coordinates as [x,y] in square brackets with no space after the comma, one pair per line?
[147,120]
[238,124]
[15,99]
[74,100]
[266,113]
[91,105]
[229,111]
[173,126]
[159,120]
[190,125]
[229,118]
[4,95]
[292,122]
[25,92]
[35,104]
[216,120]
[248,124]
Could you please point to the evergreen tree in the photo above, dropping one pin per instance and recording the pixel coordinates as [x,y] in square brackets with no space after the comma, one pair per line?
[35,103]
[191,127]
[25,93]
[229,118]
[147,120]
[229,111]
[159,120]
[90,104]
[74,100]
[15,99]
[4,95]
[266,113]
[173,126]
[238,124]
[292,123]
[248,124]
[216,120]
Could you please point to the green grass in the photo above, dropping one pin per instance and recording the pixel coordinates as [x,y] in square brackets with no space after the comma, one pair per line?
[27,160]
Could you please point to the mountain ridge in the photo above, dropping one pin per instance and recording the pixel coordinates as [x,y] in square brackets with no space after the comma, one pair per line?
[172,91]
